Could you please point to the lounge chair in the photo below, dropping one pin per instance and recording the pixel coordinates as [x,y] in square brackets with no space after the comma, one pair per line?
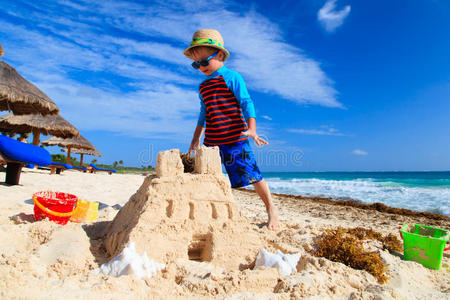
[16,154]
[56,167]
[81,169]
[94,169]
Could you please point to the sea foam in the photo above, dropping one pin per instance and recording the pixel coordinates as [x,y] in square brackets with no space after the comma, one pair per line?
[432,199]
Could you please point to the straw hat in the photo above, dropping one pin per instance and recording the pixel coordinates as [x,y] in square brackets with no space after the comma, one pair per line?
[207,38]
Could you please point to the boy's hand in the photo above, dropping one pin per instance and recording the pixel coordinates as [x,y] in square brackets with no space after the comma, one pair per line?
[252,133]
[194,146]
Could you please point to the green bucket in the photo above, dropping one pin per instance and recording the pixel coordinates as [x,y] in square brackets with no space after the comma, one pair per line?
[424,244]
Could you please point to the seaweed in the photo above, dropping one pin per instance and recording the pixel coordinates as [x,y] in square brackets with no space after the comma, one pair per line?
[390,241]
[188,162]
[346,246]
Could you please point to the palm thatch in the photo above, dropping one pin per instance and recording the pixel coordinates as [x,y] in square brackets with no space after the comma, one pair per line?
[83,151]
[20,96]
[49,125]
[78,142]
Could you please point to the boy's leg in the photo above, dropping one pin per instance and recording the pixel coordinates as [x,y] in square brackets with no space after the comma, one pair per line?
[262,190]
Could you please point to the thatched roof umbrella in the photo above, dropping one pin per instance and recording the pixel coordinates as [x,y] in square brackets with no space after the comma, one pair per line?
[83,152]
[49,125]
[79,142]
[20,96]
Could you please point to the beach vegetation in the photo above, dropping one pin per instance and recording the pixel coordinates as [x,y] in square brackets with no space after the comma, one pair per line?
[346,246]
[390,242]
[61,158]
[128,170]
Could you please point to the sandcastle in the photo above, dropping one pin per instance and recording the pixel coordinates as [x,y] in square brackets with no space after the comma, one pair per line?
[177,215]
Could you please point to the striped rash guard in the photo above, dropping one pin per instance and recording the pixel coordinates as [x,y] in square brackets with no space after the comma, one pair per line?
[225,106]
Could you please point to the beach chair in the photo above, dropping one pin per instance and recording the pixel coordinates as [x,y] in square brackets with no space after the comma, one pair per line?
[16,154]
[81,169]
[57,168]
[54,167]
[96,169]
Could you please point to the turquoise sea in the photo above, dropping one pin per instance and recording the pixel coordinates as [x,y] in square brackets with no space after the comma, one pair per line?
[422,191]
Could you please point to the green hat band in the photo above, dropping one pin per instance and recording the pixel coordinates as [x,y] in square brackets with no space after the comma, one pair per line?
[202,41]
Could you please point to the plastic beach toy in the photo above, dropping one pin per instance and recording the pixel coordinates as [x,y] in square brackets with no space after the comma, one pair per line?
[85,211]
[424,244]
[56,206]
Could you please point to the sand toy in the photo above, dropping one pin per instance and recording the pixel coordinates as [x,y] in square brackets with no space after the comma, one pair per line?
[56,206]
[85,211]
[424,244]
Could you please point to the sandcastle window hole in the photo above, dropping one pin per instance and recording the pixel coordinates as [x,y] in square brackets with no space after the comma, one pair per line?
[230,211]
[169,208]
[199,248]
[214,211]
[191,211]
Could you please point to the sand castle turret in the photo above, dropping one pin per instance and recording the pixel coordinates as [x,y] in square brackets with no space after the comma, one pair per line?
[185,215]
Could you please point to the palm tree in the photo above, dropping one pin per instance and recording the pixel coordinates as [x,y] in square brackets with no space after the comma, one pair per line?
[120,162]
[94,161]
[115,164]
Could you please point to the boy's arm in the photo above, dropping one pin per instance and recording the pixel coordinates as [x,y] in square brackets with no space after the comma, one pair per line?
[195,142]
[251,132]
[239,88]
[202,114]
[248,109]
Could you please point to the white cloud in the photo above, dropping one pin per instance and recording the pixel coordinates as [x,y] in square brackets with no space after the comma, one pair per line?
[330,18]
[160,111]
[359,152]
[138,82]
[266,117]
[325,130]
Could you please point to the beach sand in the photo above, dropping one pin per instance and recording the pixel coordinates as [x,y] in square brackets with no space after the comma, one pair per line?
[43,260]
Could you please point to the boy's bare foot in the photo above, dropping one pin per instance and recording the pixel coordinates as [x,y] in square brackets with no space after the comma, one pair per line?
[274,223]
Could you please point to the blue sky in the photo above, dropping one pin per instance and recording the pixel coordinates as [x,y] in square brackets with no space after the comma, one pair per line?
[337,85]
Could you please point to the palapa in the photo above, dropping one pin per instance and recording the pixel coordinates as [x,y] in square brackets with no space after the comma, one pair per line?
[83,152]
[79,142]
[49,125]
[20,96]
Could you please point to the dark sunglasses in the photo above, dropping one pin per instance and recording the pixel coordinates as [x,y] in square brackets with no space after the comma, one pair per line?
[203,62]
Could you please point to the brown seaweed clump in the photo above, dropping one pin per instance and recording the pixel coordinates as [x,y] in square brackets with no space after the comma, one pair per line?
[339,246]
[390,241]
[188,162]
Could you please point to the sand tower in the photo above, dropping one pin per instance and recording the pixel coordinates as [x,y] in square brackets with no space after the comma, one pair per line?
[185,215]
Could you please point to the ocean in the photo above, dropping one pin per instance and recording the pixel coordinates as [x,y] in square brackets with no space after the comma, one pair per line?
[420,191]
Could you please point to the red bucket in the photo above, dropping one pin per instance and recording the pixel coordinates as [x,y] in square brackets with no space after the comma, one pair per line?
[56,206]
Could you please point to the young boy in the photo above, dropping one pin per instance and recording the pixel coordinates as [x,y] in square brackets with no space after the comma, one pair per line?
[224,102]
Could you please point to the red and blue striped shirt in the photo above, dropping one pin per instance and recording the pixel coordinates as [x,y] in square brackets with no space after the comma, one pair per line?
[224,104]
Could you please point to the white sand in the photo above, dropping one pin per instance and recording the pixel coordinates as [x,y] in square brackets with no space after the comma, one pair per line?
[42,260]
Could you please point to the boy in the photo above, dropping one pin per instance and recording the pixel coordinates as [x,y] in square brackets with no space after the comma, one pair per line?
[224,103]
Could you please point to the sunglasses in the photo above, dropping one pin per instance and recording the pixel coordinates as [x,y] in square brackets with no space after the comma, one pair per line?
[203,62]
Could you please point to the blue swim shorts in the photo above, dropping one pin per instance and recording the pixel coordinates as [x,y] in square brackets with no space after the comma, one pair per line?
[240,163]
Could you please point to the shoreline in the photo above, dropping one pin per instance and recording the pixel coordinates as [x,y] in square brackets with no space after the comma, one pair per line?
[377,206]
